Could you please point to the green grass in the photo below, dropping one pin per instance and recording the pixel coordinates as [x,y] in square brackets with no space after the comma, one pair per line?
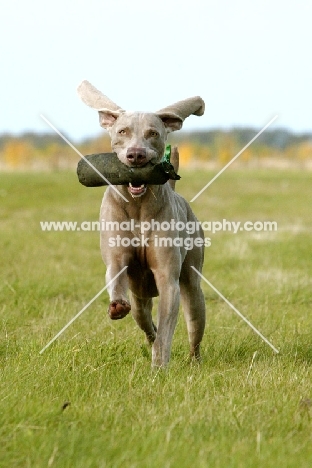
[223,413]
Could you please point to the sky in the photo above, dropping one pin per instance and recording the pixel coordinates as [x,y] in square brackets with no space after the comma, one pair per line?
[248,60]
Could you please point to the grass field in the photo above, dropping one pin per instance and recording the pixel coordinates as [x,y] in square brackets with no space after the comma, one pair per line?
[91,399]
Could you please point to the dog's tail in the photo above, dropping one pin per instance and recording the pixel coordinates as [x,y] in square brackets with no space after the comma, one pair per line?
[175,162]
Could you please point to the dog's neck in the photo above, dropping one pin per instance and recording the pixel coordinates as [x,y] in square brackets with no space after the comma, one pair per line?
[146,206]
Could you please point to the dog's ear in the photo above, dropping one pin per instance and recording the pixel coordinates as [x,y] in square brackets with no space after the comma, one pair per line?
[107,109]
[107,118]
[174,115]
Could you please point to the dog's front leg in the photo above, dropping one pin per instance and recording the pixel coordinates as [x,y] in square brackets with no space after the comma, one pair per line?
[168,309]
[119,305]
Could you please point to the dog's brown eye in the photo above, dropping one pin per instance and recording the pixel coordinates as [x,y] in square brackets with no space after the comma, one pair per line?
[154,134]
[122,131]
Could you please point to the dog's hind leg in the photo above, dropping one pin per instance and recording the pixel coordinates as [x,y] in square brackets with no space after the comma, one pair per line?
[141,309]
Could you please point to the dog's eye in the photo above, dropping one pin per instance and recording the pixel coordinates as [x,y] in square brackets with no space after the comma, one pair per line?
[153,133]
[122,131]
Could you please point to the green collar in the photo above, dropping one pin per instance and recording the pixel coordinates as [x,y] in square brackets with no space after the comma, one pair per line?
[167,166]
[167,154]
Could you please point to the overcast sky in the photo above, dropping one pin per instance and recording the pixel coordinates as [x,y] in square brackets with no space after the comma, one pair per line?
[249,60]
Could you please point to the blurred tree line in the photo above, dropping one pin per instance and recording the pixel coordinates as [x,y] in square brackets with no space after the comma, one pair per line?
[282,148]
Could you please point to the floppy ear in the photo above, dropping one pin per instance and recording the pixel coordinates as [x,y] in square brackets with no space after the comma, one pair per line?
[174,115]
[107,109]
[107,118]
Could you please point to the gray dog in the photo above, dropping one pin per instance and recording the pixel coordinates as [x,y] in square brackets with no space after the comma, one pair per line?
[163,240]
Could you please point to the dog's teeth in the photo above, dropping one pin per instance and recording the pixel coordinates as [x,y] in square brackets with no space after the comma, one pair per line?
[141,186]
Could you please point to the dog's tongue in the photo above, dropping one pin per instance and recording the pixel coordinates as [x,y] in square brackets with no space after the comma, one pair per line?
[136,189]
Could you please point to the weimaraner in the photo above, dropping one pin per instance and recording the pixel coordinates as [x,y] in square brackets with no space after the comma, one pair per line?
[159,261]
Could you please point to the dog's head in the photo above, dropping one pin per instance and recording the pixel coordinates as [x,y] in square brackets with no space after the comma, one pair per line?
[138,137]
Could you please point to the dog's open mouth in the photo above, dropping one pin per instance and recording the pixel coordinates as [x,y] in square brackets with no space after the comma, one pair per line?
[136,190]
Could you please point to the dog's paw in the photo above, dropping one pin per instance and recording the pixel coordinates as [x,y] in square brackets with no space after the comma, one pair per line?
[118,309]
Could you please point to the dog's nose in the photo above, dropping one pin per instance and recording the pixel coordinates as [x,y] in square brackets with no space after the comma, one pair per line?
[136,155]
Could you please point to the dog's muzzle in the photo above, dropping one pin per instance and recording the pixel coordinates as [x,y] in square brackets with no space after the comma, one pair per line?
[136,156]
